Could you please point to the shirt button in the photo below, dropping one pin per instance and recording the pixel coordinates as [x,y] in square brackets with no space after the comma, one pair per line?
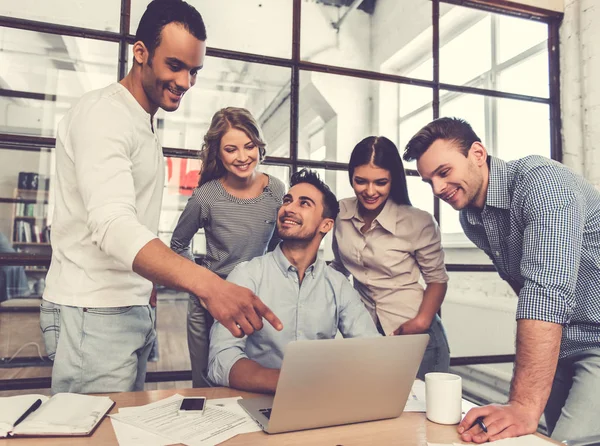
[497,253]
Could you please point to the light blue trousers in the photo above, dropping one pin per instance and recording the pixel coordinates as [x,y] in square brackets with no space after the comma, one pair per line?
[573,409]
[97,350]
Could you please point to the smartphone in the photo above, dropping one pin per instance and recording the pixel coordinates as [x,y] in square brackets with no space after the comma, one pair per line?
[192,405]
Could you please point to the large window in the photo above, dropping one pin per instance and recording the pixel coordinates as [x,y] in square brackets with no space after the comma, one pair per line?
[319,75]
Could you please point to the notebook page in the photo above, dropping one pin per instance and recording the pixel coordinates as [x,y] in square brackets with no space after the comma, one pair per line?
[67,413]
[12,407]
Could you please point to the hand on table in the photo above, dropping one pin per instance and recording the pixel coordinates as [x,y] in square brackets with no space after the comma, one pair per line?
[238,309]
[501,421]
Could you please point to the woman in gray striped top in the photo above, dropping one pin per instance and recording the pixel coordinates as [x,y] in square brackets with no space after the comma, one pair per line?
[237,207]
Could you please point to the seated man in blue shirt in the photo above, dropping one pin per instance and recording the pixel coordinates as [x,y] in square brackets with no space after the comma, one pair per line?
[540,224]
[312,300]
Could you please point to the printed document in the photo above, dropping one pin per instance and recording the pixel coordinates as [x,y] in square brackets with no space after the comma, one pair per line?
[217,424]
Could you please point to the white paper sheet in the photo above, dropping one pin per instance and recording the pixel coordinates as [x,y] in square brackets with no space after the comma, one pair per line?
[128,435]
[525,440]
[232,405]
[416,398]
[216,425]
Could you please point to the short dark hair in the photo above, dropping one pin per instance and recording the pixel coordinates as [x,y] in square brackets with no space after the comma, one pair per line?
[331,208]
[160,13]
[452,129]
[384,154]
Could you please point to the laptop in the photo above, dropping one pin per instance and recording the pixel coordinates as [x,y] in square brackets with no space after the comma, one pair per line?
[339,381]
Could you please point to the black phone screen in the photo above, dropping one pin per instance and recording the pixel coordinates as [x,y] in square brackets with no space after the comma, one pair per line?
[192,404]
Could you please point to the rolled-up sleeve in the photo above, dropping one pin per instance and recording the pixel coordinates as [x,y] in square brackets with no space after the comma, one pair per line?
[354,319]
[224,351]
[552,245]
[101,141]
[429,252]
[224,348]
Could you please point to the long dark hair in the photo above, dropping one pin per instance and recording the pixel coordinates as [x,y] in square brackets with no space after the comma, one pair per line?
[384,154]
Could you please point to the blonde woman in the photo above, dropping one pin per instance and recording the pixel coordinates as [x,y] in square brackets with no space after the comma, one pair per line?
[235,204]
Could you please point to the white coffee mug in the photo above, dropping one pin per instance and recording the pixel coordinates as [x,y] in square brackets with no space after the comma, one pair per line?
[443,396]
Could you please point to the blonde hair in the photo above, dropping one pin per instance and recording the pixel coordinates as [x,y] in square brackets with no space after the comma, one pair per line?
[223,120]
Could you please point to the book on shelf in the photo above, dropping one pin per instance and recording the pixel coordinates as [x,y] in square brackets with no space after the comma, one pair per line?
[28,232]
[64,414]
[36,210]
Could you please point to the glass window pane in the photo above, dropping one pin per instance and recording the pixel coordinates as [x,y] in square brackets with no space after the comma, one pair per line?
[528,76]
[391,37]
[335,114]
[25,180]
[61,67]
[263,89]
[263,27]
[280,172]
[103,15]
[420,194]
[515,36]
[523,129]
[465,45]
[517,64]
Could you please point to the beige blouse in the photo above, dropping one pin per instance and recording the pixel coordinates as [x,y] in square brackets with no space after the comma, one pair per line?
[387,261]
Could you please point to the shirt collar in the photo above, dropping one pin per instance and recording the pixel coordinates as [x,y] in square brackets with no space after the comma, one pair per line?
[286,267]
[387,218]
[498,195]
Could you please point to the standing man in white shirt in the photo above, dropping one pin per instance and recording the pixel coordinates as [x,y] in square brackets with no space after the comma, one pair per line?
[96,320]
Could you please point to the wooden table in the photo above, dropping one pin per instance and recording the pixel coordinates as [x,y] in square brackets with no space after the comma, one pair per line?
[410,429]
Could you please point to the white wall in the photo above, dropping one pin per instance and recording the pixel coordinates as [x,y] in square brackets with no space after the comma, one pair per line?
[580,95]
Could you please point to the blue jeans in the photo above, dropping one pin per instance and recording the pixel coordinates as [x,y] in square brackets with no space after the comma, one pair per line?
[437,353]
[97,350]
[573,409]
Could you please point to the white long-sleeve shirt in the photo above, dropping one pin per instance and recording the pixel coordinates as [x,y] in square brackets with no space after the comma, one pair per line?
[108,193]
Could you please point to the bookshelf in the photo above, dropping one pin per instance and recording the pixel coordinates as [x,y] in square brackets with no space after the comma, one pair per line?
[30,231]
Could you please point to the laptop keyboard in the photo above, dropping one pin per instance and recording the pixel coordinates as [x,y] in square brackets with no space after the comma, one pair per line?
[266,412]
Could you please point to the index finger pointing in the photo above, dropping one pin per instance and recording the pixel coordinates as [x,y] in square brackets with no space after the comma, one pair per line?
[266,312]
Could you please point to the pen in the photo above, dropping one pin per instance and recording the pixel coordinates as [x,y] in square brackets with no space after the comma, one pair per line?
[481,424]
[29,411]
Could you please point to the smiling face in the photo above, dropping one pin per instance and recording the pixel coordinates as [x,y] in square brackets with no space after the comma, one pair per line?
[458,180]
[300,217]
[372,186]
[171,70]
[238,154]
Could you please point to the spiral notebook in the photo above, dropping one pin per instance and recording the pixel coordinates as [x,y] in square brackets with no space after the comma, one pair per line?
[64,414]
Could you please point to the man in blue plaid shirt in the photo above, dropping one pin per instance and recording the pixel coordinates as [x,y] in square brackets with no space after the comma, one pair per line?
[540,224]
